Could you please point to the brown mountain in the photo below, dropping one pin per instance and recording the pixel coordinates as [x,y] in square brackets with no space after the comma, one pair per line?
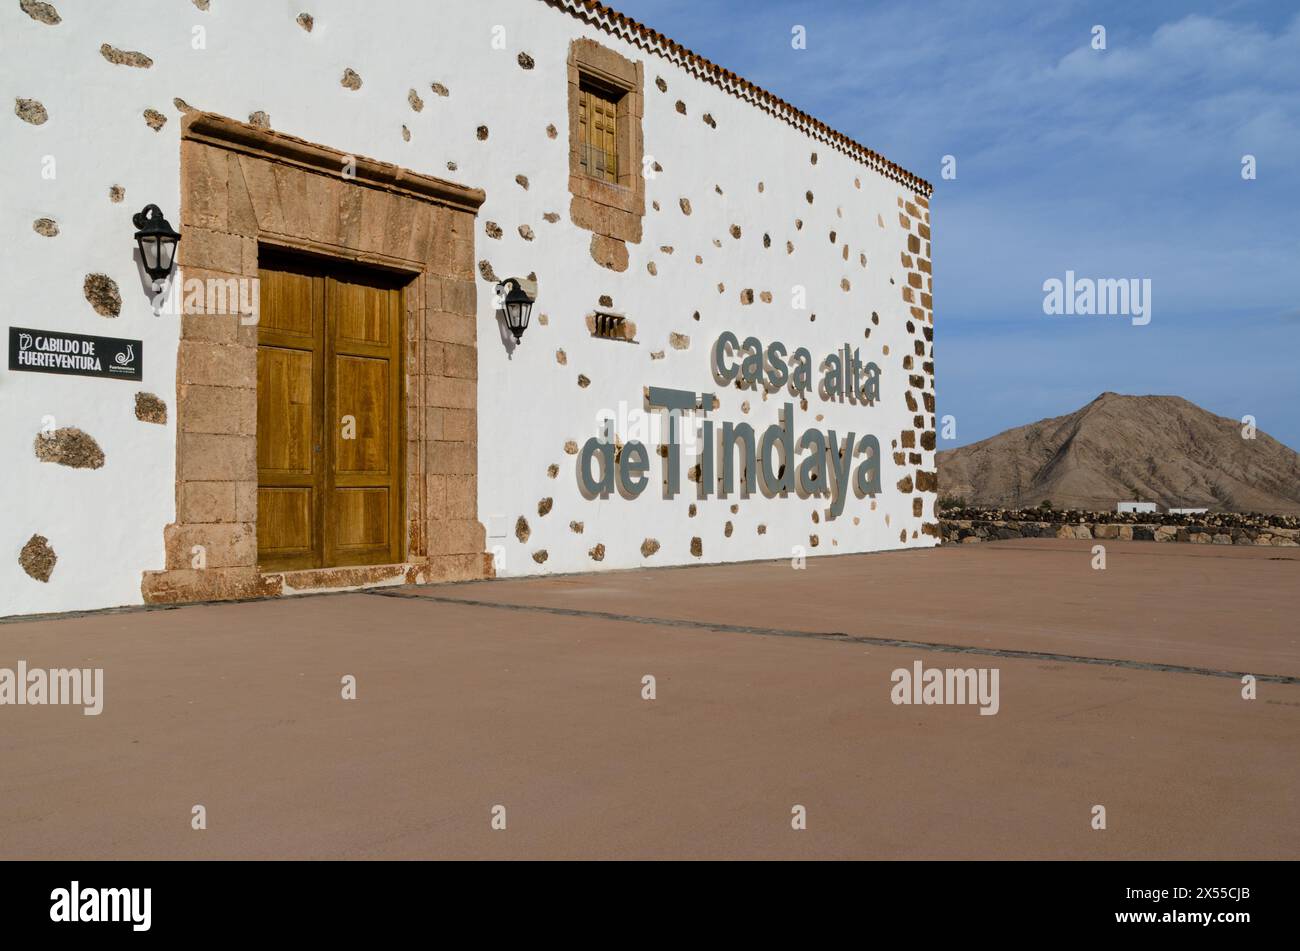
[1154,448]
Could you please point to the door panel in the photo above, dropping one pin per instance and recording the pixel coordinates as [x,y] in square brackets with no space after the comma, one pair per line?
[362,518]
[363,313]
[329,417]
[290,374]
[284,410]
[363,396]
[285,528]
[363,392]
[287,303]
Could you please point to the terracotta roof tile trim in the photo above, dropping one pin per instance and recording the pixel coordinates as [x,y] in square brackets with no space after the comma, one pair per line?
[638,34]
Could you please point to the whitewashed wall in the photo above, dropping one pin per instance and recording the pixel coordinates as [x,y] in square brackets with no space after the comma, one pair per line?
[106,525]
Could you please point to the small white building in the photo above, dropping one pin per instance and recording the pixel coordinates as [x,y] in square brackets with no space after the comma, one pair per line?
[1136,507]
[1200,511]
[329,394]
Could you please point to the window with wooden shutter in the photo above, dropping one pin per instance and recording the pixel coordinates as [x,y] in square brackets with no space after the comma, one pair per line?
[606,102]
[598,133]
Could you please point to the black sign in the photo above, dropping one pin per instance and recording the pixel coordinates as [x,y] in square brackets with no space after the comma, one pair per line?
[52,351]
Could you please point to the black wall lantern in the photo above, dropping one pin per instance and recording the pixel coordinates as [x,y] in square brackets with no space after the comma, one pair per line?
[157,242]
[517,305]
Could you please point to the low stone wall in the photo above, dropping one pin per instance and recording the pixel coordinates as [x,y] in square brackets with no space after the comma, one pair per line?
[1229,530]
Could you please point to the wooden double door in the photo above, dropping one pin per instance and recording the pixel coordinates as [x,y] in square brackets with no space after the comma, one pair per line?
[330,424]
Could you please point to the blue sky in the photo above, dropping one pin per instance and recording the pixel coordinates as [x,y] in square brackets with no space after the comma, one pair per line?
[1114,164]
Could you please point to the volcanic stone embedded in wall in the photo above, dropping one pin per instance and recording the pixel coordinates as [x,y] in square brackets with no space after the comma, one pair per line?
[697,547]
[525,61]
[101,290]
[493,230]
[46,227]
[413,98]
[609,252]
[116,194]
[41,12]
[598,553]
[544,507]
[522,531]
[350,79]
[37,558]
[482,133]
[439,89]
[69,447]
[649,547]
[259,119]
[154,119]
[149,408]
[29,110]
[125,57]
[541,556]
[306,21]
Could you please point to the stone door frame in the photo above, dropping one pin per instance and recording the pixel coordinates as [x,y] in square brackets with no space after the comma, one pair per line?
[243,188]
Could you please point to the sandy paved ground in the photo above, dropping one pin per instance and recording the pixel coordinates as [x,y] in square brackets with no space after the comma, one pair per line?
[529,696]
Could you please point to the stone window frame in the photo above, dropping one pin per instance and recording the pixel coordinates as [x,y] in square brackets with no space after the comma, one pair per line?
[245,189]
[612,212]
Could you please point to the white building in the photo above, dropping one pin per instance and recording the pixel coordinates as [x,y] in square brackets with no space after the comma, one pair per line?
[1136,507]
[328,395]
